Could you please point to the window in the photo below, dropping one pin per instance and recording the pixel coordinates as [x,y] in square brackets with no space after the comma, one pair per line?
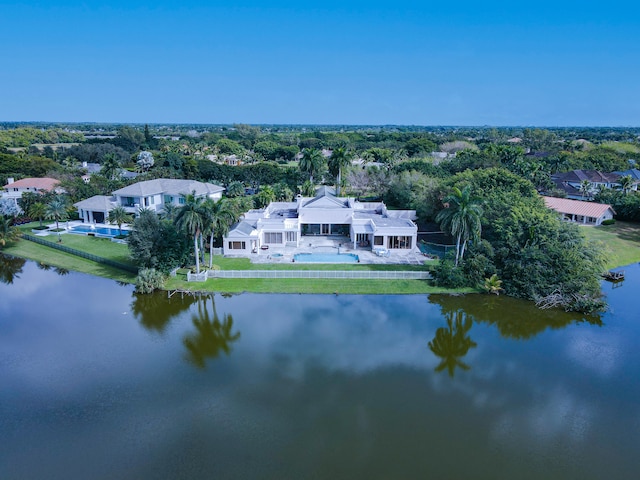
[291,236]
[272,237]
[168,199]
[400,241]
[181,200]
[378,240]
[236,245]
[128,202]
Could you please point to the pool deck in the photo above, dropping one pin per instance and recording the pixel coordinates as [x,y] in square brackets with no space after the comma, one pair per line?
[74,223]
[336,245]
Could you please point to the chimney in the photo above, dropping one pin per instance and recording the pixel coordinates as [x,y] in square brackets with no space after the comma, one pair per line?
[84,164]
[10,180]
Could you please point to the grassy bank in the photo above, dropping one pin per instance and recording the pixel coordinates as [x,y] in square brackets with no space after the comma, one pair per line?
[321,285]
[621,242]
[56,258]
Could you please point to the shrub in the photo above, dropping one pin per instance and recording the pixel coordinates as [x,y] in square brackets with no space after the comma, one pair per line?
[609,221]
[148,280]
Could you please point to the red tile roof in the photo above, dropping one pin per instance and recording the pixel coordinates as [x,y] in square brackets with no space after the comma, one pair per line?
[47,184]
[576,207]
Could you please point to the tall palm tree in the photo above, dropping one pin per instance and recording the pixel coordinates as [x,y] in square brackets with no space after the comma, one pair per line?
[38,210]
[191,219]
[57,210]
[462,218]
[110,166]
[311,162]
[119,216]
[340,159]
[219,216]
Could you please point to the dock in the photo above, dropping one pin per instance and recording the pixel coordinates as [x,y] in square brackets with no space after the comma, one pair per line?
[612,276]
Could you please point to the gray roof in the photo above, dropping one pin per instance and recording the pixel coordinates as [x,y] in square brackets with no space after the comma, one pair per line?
[243,228]
[634,172]
[98,203]
[593,176]
[168,186]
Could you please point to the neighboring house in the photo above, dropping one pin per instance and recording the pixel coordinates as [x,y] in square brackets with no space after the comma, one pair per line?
[570,182]
[92,168]
[634,173]
[150,194]
[586,213]
[13,190]
[285,224]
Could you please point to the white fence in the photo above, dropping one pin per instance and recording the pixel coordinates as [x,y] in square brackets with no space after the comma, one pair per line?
[356,274]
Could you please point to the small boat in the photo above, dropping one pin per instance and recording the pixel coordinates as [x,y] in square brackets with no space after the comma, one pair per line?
[614,276]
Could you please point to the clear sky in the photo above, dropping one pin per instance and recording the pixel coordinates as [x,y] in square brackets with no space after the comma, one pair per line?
[542,63]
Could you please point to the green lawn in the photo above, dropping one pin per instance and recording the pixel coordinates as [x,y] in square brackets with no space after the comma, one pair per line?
[245,264]
[621,241]
[321,285]
[56,258]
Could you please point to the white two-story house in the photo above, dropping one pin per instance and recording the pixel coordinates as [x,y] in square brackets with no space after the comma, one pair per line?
[150,194]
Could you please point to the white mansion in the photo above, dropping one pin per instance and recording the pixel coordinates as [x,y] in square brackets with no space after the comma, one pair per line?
[150,194]
[284,224]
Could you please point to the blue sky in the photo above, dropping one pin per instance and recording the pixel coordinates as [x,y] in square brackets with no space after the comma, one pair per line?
[360,62]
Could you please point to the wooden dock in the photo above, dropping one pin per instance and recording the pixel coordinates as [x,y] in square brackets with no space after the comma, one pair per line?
[612,276]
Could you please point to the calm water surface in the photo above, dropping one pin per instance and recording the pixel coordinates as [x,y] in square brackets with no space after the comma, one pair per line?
[99,383]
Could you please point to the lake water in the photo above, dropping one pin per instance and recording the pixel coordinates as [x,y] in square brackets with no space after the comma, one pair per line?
[99,383]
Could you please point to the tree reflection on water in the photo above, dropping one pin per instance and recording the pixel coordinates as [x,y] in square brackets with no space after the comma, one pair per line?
[10,268]
[452,343]
[514,318]
[212,336]
[155,310]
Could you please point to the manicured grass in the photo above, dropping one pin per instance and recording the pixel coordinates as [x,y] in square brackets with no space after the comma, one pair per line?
[56,258]
[245,264]
[621,241]
[321,285]
[622,147]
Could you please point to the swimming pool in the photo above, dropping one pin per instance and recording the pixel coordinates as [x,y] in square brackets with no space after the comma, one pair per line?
[99,231]
[326,258]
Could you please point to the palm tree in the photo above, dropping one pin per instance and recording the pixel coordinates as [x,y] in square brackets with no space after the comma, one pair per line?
[585,187]
[235,189]
[119,216]
[493,284]
[57,210]
[8,232]
[452,343]
[110,166]
[265,196]
[340,159]
[38,210]
[170,210]
[462,218]
[219,216]
[626,183]
[191,218]
[311,162]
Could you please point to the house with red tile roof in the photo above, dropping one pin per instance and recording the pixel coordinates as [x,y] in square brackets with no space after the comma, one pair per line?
[13,190]
[585,213]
